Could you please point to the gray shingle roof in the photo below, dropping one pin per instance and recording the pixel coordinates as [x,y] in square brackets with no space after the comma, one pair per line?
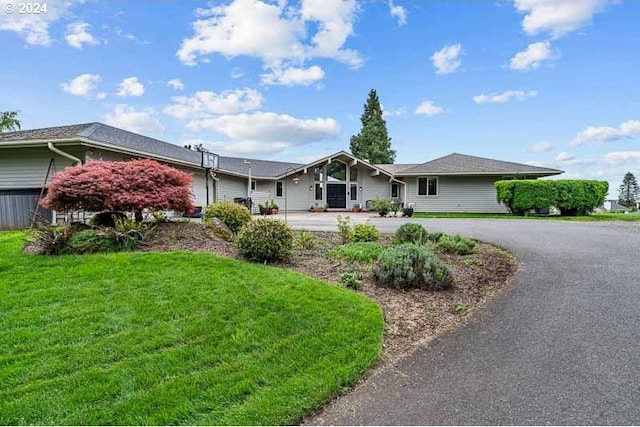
[464,164]
[396,167]
[263,168]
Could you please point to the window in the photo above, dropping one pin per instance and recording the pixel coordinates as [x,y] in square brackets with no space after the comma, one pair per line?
[353,192]
[318,191]
[278,188]
[336,171]
[427,186]
[353,173]
[317,174]
[253,185]
[395,190]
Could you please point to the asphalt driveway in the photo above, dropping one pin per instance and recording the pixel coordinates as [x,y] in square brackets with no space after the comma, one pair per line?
[560,346]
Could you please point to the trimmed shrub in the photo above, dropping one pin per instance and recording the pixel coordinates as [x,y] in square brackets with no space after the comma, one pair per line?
[91,241]
[409,266]
[579,197]
[365,233]
[234,215]
[410,232]
[358,251]
[265,240]
[456,244]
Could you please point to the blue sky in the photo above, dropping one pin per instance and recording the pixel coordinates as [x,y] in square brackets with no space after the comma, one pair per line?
[548,82]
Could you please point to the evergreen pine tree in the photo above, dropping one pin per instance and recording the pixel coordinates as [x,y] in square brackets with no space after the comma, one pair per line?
[629,192]
[373,143]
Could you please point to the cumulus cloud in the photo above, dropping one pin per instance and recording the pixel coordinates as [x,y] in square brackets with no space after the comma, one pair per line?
[400,111]
[81,85]
[621,157]
[238,148]
[175,84]
[501,98]
[34,28]
[564,157]
[130,86]
[206,104]
[429,108]
[293,76]
[398,12]
[541,147]
[78,35]
[447,60]
[557,17]
[134,120]
[602,134]
[281,35]
[532,57]
[236,73]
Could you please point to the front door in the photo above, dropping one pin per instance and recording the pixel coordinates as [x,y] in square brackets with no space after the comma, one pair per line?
[337,196]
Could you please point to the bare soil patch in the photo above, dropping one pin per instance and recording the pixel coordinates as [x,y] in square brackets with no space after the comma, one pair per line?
[412,317]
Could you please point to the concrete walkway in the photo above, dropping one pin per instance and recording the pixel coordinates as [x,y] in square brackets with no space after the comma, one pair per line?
[560,346]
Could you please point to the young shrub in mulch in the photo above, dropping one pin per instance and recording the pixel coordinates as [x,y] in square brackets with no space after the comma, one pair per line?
[410,232]
[345,229]
[358,251]
[91,241]
[365,233]
[265,240]
[234,215]
[305,240]
[456,244]
[410,266]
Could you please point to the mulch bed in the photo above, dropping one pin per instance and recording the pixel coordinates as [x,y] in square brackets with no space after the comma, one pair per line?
[412,317]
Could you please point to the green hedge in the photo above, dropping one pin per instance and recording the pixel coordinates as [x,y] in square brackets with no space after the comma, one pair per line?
[572,197]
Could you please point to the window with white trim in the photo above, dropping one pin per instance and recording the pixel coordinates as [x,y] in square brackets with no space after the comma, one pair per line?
[353,192]
[395,190]
[427,186]
[278,188]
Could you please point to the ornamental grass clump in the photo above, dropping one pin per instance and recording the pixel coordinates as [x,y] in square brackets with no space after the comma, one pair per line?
[412,266]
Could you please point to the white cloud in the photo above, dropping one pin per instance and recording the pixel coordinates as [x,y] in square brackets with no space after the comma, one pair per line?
[278,34]
[239,148]
[532,57]
[564,157]
[128,36]
[134,120]
[81,85]
[541,147]
[293,76]
[601,134]
[130,86]
[175,84]
[447,60]
[621,157]
[34,28]
[429,108]
[78,34]
[101,95]
[557,17]
[236,73]
[503,97]
[205,104]
[400,111]
[398,12]
[269,127]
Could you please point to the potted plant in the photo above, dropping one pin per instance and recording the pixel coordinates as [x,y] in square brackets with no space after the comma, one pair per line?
[356,207]
[274,207]
[394,209]
[408,211]
[317,208]
[326,207]
[383,206]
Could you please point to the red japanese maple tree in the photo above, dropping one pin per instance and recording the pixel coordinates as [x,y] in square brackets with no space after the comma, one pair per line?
[125,186]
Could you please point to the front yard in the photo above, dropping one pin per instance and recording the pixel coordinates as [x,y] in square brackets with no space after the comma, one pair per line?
[172,338]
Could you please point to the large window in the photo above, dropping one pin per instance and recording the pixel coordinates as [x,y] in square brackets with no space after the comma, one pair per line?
[278,188]
[318,175]
[395,190]
[318,191]
[336,171]
[427,186]
[353,173]
[353,192]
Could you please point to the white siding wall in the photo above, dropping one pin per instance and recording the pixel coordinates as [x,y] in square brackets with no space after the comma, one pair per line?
[457,194]
[228,187]
[299,197]
[372,186]
[22,168]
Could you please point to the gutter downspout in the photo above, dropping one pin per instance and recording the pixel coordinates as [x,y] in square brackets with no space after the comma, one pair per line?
[63,154]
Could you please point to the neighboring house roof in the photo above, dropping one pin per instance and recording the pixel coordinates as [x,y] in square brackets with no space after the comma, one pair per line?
[615,206]
[462,164]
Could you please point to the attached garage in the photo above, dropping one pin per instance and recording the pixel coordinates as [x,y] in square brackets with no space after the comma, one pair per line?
[17,208]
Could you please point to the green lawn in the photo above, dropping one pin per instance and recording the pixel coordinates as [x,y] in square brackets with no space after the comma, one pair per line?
[172,338]
[588,218]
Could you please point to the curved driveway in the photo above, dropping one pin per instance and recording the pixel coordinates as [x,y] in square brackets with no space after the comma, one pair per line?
[560,346]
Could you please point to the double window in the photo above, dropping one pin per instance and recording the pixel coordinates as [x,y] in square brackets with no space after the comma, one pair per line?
[427,186]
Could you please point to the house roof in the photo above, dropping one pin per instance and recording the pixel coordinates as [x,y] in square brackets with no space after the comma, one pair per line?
[462,164]
[615,206]
[259,168]
[396,167]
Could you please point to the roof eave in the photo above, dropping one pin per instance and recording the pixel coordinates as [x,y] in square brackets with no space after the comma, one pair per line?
[536,173]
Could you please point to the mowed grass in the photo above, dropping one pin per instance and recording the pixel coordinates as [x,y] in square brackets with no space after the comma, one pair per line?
[587,218]
[172,338]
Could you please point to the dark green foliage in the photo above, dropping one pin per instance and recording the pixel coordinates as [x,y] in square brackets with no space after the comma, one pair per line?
[572,197]
[629,192]
[456,244]
[106,219]
[91,241]
[9,121]
[382,206]
[410,232]
[358,251]
[365,233]
[234,215]
[373,143]
[412,266]
[265,240]
[434,236]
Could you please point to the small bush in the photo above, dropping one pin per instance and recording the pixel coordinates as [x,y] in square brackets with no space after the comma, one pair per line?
[365,233]
[234,215]
[412,266]
[304,240]
[358,251]
[91,241]
[345,230]
[352,279]
[265,240]
[410,232]
[434,236]
[456,244]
